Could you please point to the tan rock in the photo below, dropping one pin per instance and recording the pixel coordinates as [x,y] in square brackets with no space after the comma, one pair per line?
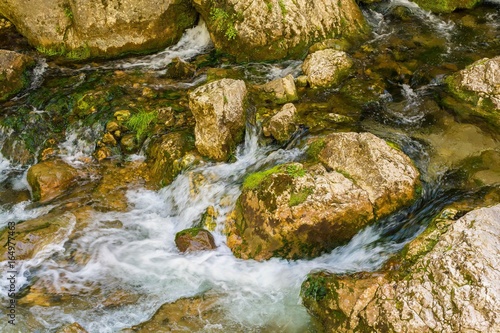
[80,29]
[13,75]
[326,67]
[446,281]
[50,179]
[219,110]
[280,91]
[385,173]
[73,328]
[277,29]
[282,125]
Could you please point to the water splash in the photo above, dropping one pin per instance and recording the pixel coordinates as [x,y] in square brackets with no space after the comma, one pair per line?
[79,145]
[194,41]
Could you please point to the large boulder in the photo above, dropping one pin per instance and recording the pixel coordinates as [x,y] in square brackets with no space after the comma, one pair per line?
[50,179]
[446,6]
[385,173]
[277,29]
[446,280]
[13,73]
[477,89]
[325,68]
[88,28]
[293,211]
[219,110]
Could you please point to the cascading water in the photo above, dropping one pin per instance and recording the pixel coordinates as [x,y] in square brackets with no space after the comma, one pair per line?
[134,251]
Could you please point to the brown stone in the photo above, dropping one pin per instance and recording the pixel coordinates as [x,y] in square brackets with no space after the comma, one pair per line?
[194,239]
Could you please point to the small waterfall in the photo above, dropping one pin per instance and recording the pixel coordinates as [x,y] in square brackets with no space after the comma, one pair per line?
[194,41]
[79,145]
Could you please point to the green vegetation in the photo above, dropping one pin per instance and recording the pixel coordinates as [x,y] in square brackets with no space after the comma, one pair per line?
[295,171]
[253,180]
[141,121]
[314,149]
[300,197]
[68,12]
[223,22]
[314,288]
[282,7]
[193,232]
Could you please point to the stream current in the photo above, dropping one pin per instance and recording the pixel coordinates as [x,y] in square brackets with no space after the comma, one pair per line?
[134,252]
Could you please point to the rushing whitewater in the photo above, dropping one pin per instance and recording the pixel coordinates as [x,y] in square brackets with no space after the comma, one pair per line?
[141,256]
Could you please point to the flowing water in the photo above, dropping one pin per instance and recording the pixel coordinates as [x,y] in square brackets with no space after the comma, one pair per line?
[133,250]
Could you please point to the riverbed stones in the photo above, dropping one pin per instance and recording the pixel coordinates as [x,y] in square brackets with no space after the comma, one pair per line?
[72,328]
[80,29]
[446,280]
[279,91]
[327,67]
[477,87]
[50,179]
[194,239]
[13,73]
[219,110]
[297,211]
[277,29]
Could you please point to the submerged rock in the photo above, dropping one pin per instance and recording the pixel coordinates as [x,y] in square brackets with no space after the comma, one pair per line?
[13,75]
[277,29]
[80,29]
[73,328]
[219,110]
[180,70]
[33,236]
[50,179]
[446,280]
[293,211]
[194,239]
[446,6]
[325,68]
[478,86]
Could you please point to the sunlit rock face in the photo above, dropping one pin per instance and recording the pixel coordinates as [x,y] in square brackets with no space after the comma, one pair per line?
[300,211]
[80,29]
[444,281]
[219,110]
[277,29]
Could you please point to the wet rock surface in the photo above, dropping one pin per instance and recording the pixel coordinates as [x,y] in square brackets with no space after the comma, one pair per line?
[13,73]
[478,86]
[445,281]
[50,179]
[194,239]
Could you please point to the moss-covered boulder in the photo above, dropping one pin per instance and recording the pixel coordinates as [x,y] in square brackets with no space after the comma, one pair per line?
[327,67]
[219,110]
[50,179]
[296,211]
[13,73]
[446,6]
[444,281]
[80,29]
[477,90]
[277,29]
[194,239]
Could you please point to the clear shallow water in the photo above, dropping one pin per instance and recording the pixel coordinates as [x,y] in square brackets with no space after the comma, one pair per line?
[135,251]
